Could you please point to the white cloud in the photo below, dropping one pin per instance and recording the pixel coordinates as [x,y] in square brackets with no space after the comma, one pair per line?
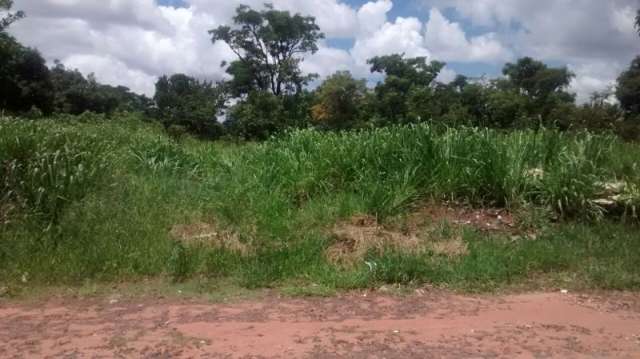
[372,15]
[111,71]
[131,42]
[328,61]
[449,42]
[595,38]
[402,36]
[446,75]
[334,17]
[594,76]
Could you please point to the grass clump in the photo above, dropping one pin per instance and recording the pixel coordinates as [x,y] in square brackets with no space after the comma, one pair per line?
[104,201]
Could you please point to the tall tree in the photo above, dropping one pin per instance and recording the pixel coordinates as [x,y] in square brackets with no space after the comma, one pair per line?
[545,89]
[269,45]
[536,79]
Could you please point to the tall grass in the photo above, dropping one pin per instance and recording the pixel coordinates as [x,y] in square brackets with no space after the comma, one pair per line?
[98,200]
[389,168]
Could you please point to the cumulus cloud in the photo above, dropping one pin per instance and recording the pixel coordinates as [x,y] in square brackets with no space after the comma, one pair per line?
[402,36]
[372,15]
[133,42]
[111,71]
[449,42]
[446,75]
[594,38]
[327,61]
[592,77]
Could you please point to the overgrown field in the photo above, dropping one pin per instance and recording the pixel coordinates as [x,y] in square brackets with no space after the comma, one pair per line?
[464,208]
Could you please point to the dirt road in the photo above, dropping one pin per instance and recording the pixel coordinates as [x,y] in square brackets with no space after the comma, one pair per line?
[359,325]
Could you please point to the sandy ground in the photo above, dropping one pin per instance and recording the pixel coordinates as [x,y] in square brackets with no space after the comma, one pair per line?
[357,325]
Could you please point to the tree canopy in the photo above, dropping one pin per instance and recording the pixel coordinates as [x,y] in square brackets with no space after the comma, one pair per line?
[339,100]
[628,89]
[270,45]
[403,76]
[190,104]
[25,81]
[536,79]
[10,17]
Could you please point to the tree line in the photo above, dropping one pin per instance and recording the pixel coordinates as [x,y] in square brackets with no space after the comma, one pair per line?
[268,92]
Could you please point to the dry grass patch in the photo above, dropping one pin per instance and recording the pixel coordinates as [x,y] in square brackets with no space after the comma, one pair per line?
[362,234]
[207,234]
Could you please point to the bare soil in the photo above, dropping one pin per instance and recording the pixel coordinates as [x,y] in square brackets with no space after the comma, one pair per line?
[357,325]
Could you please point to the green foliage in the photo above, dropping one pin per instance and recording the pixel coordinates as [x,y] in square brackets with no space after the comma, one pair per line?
[537,80]
[74,94]
[269,44]
[544,87]
[628,90]
[339,101]
[257,117]
[279,198]
[262,114]
[24,78]
[45,169]
[191,104]
[28,86]
[505,108]
[403,75]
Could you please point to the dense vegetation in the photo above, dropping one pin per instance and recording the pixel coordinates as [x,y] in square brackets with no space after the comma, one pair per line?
[100,201]
[98,183]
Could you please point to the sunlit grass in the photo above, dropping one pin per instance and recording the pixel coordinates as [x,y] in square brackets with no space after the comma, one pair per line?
[96,201]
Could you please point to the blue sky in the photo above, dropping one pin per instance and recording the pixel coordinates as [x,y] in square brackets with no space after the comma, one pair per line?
[133,42]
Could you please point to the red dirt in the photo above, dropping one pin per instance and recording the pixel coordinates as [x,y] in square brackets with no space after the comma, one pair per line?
[426,324]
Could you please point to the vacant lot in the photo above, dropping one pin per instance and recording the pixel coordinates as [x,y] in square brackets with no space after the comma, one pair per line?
[466,209]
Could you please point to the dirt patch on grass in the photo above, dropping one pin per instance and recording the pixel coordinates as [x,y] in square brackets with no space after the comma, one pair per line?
[207,234]
[434,227]
[482,219]
[361,235]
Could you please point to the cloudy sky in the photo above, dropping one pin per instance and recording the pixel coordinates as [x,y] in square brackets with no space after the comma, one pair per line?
[132,42]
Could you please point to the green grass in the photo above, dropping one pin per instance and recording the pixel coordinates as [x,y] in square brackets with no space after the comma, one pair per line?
[95,201]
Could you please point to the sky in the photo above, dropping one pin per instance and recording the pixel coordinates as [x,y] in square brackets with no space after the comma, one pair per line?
[133,42]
